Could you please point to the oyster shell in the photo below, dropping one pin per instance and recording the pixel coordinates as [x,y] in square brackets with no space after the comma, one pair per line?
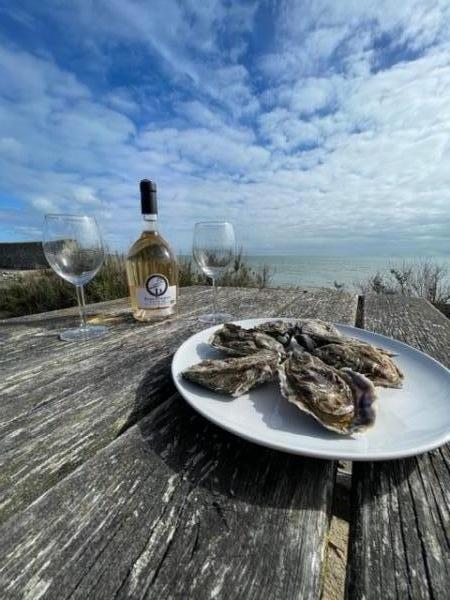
[281,331]
[374,363]
[318,333]
[237,341]
[342,401]
[318,328]
[313,333]
[235,376]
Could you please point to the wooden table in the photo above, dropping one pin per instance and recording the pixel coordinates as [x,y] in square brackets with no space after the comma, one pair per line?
[113,487]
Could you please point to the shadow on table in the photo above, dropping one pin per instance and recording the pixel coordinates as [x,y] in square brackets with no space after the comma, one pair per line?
[210,458]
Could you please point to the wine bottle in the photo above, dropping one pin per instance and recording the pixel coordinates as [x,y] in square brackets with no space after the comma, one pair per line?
[152,269]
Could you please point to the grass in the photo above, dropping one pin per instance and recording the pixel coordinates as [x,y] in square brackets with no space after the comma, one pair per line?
[44,290]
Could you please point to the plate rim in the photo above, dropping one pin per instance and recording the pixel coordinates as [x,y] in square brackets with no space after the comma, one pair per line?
[304,451]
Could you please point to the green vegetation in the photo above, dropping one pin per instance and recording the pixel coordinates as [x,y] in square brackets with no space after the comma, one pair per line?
[240,274]
[46,291]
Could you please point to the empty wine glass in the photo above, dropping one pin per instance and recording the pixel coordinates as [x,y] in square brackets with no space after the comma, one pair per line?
[213,250]
[74,250]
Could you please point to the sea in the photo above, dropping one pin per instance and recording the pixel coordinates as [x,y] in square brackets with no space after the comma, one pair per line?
[326,271]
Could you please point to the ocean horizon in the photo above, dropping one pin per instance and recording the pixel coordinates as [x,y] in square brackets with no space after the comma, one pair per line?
[324,271]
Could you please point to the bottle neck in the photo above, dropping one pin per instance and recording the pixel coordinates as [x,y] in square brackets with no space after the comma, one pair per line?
[150,222]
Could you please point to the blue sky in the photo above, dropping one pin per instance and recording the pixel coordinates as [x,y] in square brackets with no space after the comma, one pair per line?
[316,127]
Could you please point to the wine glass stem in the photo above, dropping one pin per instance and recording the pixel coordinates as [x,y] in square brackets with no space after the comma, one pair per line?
[214,295]
[81,304]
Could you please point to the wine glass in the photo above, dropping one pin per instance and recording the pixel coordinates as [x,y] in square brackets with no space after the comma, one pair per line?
[213,250]
[73,248]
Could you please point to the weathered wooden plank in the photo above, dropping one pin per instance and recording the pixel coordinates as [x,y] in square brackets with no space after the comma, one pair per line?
[178,508]
[72,399]
[174,508]
[400,528]
[66,401]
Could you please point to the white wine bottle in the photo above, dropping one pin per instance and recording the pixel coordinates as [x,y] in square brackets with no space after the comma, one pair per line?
[152,268]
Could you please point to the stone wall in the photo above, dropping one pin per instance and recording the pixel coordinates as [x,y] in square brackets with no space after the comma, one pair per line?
[22,255]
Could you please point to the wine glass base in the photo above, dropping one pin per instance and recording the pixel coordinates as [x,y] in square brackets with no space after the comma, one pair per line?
[215,318]
[80,334]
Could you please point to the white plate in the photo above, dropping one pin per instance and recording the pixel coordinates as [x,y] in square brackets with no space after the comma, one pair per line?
[409,421]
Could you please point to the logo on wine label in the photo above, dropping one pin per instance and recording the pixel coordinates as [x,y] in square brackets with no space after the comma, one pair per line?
[157,285]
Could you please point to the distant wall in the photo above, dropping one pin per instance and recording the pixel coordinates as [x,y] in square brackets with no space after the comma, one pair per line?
[22,255]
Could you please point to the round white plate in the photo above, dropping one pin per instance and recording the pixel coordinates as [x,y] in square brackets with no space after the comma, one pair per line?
[409,421]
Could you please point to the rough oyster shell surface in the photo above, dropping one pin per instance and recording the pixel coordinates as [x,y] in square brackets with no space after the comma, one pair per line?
[237,341]
[235,376]
[317,327]
[372,362]
[340,401]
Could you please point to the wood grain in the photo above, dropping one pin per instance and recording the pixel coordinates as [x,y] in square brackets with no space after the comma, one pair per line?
[62,402]
[400,528]
[173,507]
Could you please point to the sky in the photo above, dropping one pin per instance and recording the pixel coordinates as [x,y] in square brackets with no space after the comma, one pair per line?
[315,127]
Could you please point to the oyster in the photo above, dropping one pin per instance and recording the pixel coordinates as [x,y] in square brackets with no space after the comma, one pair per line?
[235,376]
[342,401]
[281,331]
[359,343]
[237,341]
[374,363]
[316,333]
[313,333]
[318,328]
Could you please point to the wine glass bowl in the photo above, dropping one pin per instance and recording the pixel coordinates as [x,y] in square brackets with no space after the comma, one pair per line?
[213,261]
[73,248]
[73,263]
[213,250]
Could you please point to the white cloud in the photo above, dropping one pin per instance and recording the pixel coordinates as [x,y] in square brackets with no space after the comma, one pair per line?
[183,35]
[328,150]
[44,205]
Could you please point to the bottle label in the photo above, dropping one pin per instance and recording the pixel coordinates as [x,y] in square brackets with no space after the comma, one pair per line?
[157,292]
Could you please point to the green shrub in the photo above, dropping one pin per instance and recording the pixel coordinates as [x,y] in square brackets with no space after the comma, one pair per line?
[46,291]
[110,282]
[37,293]
[188,274]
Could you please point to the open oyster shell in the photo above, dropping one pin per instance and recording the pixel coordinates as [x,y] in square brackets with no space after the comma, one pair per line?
[313,333]
[235,376]
[281,331]
[318,331]
[237,341]
[318,328]
[374,363]
[342,401]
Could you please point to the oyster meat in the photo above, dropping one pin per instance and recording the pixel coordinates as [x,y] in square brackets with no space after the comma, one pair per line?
[281,331]
[313,333]
[374,363]
[237,341]
[316,331]
[342,401]
[235,376]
